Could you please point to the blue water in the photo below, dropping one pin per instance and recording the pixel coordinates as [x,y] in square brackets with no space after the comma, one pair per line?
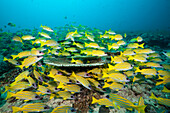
[124,15]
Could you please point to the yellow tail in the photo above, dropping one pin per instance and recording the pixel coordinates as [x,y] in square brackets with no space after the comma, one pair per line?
[109,47]
[15,109]
[5,59]
[142,45]
[72,61]
[106,85]
[137,70]
[152,96]
[110,67]
[104,75]
[9,95]
[140,109]
[94,100]
[61,85]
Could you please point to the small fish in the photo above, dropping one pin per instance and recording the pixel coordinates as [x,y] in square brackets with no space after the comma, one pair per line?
[124,66]
[49,43]
[35,52]
[143,51]
[76,61]
[129,73]
[43,34]
[73,88]
[29,61]
[46,28]
[63,53]
[163,101]
[26,95]
[82,80]
[137,58]
[95,83]
[166,66]
[38,41]
[27,37]
[90,37]
[110,32]
[116,59]
[32,107]
[156,60]
[152,64]
[22,75]
[153,55]
[114,86]
[121,42]
[97,53]
[125,103]
[92,45]
[83,74]
[71,49]
[53,51]
[17,86]
[113,46]
[127,53]
[95,71]
[60,78]
[37,75]
[31,82]
[146,71]
[141,103]
[138,39]
[12,61]
[18,39]
[63,109]
[70,35]
[103,101]
[118,37]
[135,45]
[78,45]
[43,89]
[22,54]
[65,95]
[11,24]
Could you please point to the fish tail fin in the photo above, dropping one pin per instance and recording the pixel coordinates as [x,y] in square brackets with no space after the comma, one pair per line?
[76,31]
[41,25]
[152,96]
[141,45]
[104,75]
[5,59]
[72,60]
[20,66]
[42,44]
[141,109]
[65,49]
[137,70]
[6,89]
[94,100]
[110,67]
[14,56]
[9,95]
[86,44]
[106,85]
[33,42]
[49,51]
[109,47]
[130,57]
[61,85]
[15,109]
[74,43]
[101,36]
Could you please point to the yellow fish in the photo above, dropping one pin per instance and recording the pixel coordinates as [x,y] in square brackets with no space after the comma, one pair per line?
[22,54]
[37,76]
[43,89]
[26,95]
[125,103]
[65,95]
[82,80]
[32,107]
[147,71]
[163,101]
[29,61]
[135,45]
[114,86]
[166,90]
[103,101]
[120,66]
[49,43]
[22,75]
[43,34]
[27,37]
[31,82]
[76,61]
[12,61]
[46,28]
[18,39]
[63,109]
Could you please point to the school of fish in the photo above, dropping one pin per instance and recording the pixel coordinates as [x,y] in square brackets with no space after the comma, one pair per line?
[132,59]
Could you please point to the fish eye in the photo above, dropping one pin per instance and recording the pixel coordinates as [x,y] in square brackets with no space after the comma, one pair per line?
[30,70]
[72,96]
[48,91]
[46,107]
[89,86]
[72,110]
[78,82]
[38,56]
[34,85]
[17,63]
[36,96]
[55,88]
[70,80]
[99,86]
[107,96]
